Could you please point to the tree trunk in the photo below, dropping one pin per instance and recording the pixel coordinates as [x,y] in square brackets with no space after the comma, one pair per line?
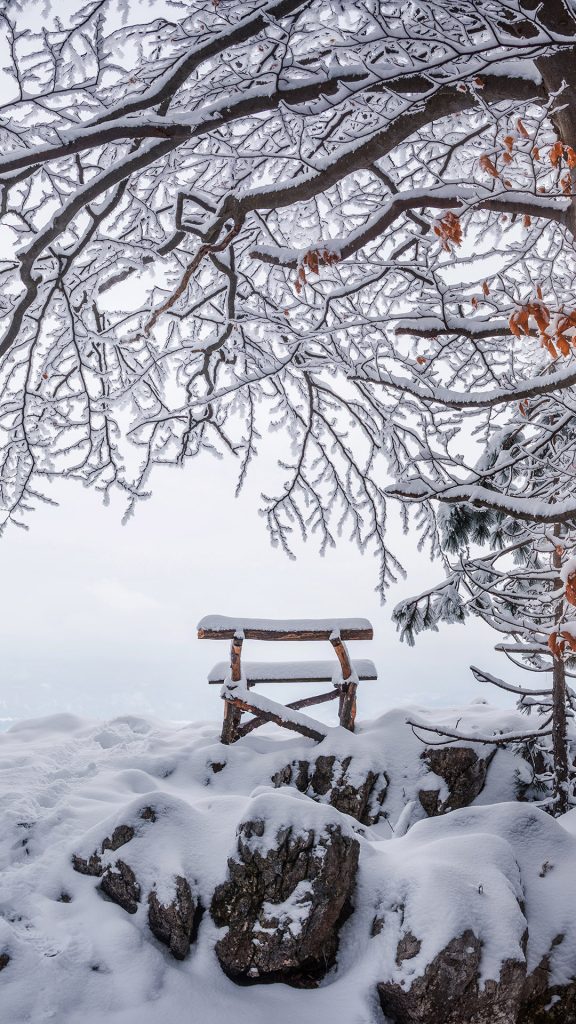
[559,746]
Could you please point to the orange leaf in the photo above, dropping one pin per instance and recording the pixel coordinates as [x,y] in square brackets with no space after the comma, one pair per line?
[570,157]
[507,158]
[485,288]
[522,129]
[541,315]
[487,165]
[536,153]
[527,220]
[538,291]
[563,344]
[555,154]
[421,360]
[509,142]
[514,325]
[548,344]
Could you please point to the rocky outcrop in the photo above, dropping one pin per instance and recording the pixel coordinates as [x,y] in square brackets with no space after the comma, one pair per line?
[543,1003]
[449,991]
[463,772]
[119,885]
[173,922]
[330,780]
[283,902]
[4,960]
[118,882]
[176,923]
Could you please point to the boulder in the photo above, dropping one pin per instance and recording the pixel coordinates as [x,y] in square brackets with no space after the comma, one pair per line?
[4,960]
[118,881]
[175,923]
[546,1003]
[174,910]
[337,781]
[288,891]
[463,772]
[450,992]
[119,885]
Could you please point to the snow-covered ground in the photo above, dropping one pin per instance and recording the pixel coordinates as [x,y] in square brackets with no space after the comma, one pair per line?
[65,782]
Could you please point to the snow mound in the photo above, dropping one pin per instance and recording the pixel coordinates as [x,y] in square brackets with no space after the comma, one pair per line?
[68,783]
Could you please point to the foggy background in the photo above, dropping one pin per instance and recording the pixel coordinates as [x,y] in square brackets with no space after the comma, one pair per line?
[98,619]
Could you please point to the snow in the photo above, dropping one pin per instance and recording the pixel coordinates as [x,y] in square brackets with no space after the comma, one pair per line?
[568,569]
[273,671]
[240,624]
[68,782]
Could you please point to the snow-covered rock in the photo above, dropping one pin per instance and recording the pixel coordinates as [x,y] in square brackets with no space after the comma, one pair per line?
[289,890]
[170,798]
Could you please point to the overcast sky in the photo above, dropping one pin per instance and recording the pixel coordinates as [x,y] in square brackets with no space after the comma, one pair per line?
[99,619]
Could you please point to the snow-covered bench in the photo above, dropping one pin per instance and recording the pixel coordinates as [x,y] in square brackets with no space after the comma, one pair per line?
[238,678]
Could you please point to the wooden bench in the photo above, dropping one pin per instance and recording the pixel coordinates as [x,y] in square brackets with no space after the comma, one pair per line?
[237,678]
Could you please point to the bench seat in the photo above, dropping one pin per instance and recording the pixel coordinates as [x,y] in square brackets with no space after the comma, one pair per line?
[292,671]
[223,627]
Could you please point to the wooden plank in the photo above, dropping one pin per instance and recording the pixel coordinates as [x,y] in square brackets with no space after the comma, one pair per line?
[225,628]
[269,673]
[285,723]
[347,710]
[307,702]
[342,655]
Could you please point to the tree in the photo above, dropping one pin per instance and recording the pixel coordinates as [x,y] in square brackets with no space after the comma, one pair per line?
[523,587]
[333,218]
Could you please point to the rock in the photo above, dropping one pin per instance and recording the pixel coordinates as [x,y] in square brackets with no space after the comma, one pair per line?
[176,923]
[329,780]
[121,887]
[284,902]
[4,960]
[543,1003]
[92,865]
[118,885]
[449,991]
[408,947]
[464,773]
[142,866]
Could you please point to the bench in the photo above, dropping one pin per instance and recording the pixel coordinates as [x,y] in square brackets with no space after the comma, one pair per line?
[237,679]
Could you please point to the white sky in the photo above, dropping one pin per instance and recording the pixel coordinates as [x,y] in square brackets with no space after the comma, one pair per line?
[99,619]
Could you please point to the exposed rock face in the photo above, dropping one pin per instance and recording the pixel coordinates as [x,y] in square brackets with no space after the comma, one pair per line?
[284,904]
[449,992]
[464,773]
[328,779]
[176,923]
[121,887]
[4,960]
[546,1004]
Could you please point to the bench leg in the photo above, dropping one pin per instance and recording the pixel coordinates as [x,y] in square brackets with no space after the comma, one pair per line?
[232,716]
[347,708]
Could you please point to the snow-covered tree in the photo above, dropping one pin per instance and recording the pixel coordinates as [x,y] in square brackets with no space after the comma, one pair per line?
[520,578]
[350,222]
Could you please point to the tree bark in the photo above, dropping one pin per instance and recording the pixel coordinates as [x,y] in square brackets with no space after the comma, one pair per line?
[559,745]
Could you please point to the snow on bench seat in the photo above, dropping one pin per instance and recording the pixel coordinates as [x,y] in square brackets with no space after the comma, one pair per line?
[294,671]
[223,627]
